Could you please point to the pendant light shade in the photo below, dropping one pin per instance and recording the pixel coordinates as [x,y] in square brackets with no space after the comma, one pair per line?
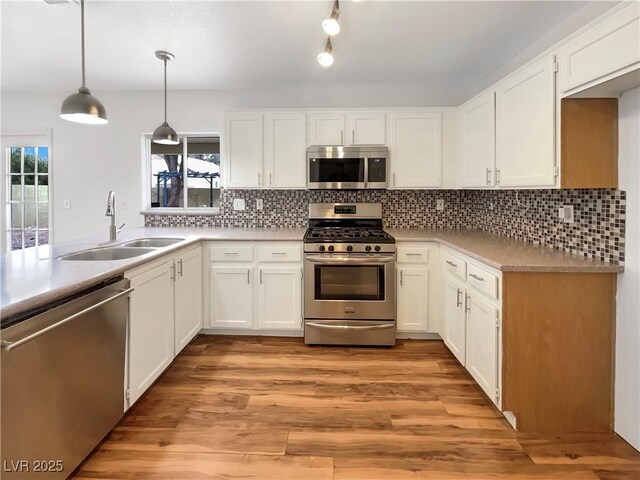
[164,134]
[81,106]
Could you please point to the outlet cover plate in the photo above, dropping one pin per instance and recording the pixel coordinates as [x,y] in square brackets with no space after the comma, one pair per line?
[440,204]
[239,204]
[259,204]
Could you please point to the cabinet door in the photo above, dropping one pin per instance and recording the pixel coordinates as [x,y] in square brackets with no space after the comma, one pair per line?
[280,297]
[482,344]
[525,132]
[413,298]
[416,150]
[455,323]
[242,150]
[326,129]
[285,151]
[231,296]
[151,333]
[610,47]
[476,129]
[366,128]
[188,298]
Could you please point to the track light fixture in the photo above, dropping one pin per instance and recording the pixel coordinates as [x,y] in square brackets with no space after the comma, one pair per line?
[330,25]
[326,58]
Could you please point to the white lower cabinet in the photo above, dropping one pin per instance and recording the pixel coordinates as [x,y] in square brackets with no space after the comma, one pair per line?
[455,321]
[472,319]
[412,298]
[231,293]
[255,286]
[165,313]
[280,297]
[482,343]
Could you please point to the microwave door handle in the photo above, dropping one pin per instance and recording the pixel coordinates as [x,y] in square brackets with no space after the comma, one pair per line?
[366,170]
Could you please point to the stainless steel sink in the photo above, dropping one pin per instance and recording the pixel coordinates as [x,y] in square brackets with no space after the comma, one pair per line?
[106,253]
[152,242]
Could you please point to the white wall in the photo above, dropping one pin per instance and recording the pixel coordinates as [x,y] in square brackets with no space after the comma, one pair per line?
[627,407]
[88,161]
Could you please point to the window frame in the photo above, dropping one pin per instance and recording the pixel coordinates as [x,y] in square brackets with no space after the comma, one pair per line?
[41,138]
[147,209]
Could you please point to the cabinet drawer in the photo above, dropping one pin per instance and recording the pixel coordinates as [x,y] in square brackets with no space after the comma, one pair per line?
[454,265]
[231,253]
[482,280]
[279,253]
[409,254]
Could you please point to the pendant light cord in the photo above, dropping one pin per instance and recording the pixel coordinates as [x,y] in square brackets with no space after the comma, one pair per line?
[165,90]
[82,38]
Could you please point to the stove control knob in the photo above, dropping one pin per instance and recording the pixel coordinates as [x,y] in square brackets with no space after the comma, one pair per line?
[368,248]
[378,248]
[321,248]
[349,248]
[331,248]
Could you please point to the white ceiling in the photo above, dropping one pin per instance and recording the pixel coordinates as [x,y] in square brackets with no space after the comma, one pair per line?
[222,45]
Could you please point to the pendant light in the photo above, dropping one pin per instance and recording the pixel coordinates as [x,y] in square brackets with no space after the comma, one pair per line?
[164,134]
[82,107]
[326,58]
[331,26]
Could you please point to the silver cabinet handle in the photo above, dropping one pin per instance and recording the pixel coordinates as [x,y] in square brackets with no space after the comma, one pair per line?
[341,137]
[458,298]
[454,265]
[497,176]
[400,277]
[467,303]
[350,327]
[230,253]
[260,276]
[180,267]
[353,136]
[480,279]
[8,346]
[248,276]
[488,176]
[393,179]
[270,178]
[278,253]
[173,272]
[259,179]
[409,254]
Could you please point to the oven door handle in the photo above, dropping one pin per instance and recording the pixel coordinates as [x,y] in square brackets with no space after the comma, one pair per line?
[352,260]
[350,327]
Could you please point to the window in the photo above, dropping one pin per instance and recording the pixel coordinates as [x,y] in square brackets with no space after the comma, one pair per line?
[28,196]
[194,183]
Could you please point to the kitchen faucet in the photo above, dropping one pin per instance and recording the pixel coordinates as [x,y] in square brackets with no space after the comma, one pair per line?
[111,212]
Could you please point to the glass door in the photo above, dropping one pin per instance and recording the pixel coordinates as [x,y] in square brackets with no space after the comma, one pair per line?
[349,282]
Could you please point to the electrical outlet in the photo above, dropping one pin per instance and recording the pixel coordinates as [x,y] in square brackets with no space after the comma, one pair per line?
[440,204]
[238,204]
[67,203]
[259,204]
[565,213]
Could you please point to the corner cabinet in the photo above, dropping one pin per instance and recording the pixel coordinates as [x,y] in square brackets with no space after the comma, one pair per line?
[415,147]
[254,287]
[165,315]
[525,127]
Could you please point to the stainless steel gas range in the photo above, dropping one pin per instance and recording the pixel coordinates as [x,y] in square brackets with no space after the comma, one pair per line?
[349,271]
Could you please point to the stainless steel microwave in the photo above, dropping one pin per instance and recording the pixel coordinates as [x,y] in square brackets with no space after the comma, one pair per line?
[347,168]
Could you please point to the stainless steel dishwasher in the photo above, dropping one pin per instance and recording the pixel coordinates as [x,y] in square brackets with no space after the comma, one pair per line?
[62,383]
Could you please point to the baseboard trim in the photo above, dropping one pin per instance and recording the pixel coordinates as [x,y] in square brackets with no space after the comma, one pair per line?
[418,336]
[252,333]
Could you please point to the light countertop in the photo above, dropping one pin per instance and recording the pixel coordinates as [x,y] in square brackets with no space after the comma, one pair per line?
[34,277]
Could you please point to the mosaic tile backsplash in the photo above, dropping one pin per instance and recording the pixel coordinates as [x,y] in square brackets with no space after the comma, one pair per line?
[529,215]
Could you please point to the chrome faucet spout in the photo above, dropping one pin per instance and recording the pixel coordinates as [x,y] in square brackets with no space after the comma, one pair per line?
[111,212]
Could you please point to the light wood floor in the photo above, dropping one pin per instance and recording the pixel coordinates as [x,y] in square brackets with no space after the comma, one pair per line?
[271,408]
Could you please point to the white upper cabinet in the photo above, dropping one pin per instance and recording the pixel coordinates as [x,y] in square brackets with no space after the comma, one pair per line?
[415,149]
[326,128]
[286,144]
[366,128]
[243,149]
[477,148]
[525,127]
[606,50]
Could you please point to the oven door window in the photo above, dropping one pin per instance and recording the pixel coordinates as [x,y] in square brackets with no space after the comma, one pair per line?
[349,282]
[336,170]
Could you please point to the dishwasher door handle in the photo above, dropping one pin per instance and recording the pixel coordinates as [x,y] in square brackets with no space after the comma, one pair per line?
[8,346]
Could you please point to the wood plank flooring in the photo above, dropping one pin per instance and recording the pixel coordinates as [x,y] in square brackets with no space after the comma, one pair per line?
[271,408]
